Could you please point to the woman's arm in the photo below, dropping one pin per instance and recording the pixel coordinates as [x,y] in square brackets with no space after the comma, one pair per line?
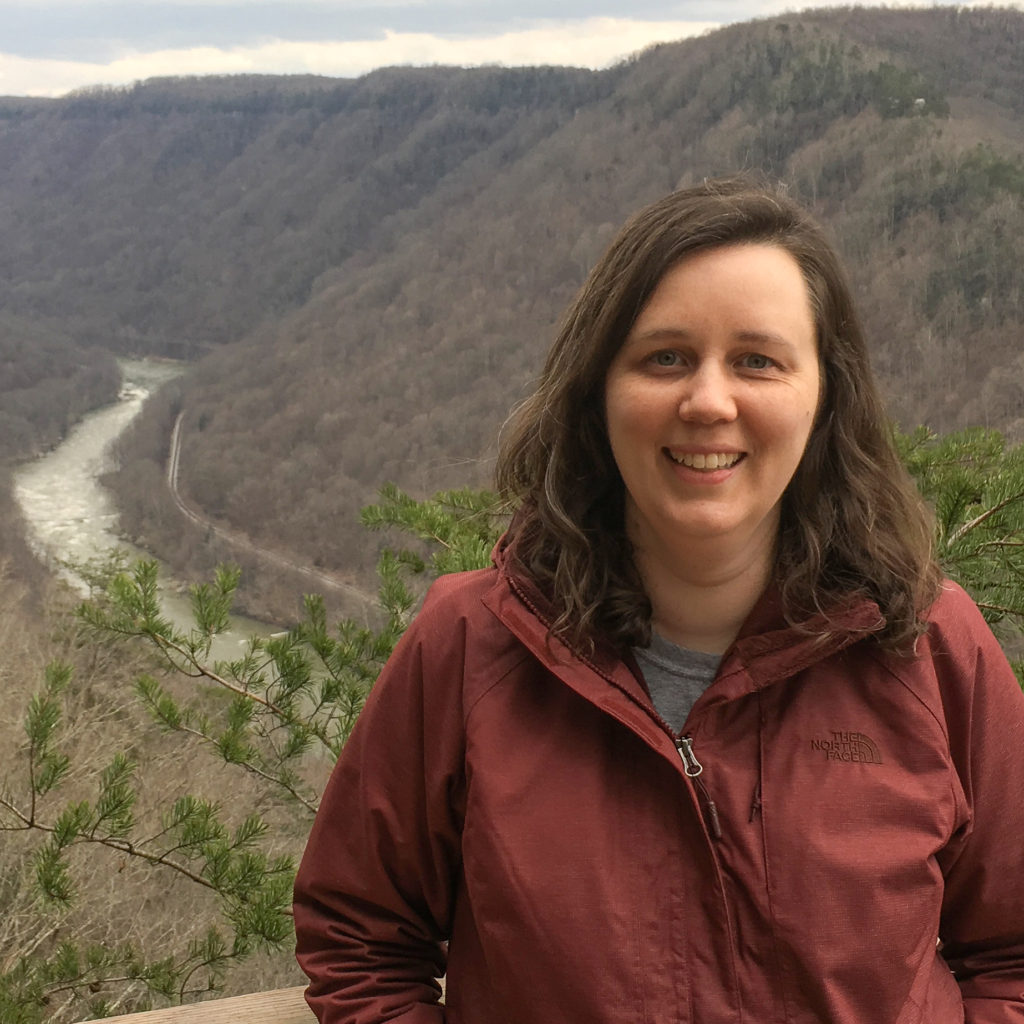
[374,892]
[982,924]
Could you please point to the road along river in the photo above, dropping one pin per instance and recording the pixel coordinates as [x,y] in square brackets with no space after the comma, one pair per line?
[71,517]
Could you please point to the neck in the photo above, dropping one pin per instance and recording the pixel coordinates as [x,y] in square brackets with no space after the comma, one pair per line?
[701,602]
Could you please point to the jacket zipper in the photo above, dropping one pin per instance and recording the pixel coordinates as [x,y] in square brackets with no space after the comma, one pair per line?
[691,765]
[755,805]
[693,768]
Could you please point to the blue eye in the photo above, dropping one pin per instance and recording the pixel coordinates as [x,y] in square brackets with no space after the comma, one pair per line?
[665,358]
[756,361]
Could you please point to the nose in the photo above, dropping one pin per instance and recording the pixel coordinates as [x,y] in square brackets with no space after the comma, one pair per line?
[708,395]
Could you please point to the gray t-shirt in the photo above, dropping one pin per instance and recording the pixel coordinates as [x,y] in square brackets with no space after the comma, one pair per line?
[675,677]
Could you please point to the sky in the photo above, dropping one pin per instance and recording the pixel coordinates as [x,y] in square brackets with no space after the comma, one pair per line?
[51,47]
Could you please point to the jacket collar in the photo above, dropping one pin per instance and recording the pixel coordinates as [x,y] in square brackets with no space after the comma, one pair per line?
[768,648]
[604,679]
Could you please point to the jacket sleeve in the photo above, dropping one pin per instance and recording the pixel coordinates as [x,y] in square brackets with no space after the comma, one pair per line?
[982,925]
[375,888]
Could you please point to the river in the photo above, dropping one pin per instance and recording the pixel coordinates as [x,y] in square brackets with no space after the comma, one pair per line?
[71,517]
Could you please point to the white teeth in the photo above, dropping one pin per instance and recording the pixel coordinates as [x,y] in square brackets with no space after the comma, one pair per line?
[716,460]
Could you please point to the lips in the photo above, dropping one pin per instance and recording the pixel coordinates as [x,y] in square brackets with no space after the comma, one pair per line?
[705,460]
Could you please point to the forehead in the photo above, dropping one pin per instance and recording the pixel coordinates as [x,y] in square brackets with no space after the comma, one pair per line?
[752,287]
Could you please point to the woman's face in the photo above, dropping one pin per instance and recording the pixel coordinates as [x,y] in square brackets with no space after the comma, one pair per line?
[711,399]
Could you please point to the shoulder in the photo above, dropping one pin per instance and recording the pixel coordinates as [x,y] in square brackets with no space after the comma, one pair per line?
[956,628]
[448,652]
[954,608]
[462,591]
[455,604]
[958,666]
[459,632]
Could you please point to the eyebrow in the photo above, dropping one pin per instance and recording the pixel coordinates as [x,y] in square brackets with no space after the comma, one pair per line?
[681,334]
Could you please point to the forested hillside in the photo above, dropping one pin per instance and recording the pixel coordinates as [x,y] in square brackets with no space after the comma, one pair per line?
[371,270]
[46,383]
[179,214]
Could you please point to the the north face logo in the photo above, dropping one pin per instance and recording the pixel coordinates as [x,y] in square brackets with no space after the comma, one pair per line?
[848,746]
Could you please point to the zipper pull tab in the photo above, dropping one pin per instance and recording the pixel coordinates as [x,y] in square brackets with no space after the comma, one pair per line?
[691,765]
[693,768]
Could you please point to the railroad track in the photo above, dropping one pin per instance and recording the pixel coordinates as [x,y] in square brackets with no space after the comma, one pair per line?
[239,540]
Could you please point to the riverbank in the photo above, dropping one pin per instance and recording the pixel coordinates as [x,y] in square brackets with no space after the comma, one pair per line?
[70,517]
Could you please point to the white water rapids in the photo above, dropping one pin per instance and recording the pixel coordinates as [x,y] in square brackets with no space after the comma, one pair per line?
[71,517]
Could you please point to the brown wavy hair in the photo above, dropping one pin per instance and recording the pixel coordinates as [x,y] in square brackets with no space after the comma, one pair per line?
[852,523]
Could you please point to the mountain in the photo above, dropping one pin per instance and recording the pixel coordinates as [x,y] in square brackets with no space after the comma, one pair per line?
[178,214]
[368,272]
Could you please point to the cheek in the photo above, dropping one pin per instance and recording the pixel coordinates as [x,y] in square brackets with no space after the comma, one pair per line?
[809,457]
[632,433]
[816,411]
[819,396]
[788,432]
[626,414]
[805,408]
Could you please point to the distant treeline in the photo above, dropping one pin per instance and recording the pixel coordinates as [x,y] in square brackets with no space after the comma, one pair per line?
[46,384]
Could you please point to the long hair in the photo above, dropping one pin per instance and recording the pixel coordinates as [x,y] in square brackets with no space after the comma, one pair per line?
[852,523]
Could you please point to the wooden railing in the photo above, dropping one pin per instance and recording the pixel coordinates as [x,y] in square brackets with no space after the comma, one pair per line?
[283,1006]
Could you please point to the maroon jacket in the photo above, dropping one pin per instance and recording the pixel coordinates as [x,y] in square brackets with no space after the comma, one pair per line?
[852,809]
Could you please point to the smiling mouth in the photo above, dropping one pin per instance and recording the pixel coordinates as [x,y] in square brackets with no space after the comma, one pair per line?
[711,461]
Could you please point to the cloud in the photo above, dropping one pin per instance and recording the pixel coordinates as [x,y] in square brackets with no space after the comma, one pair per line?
[94,31]
[591,42]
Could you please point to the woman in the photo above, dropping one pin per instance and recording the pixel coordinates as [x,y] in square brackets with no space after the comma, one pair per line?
[712,742]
